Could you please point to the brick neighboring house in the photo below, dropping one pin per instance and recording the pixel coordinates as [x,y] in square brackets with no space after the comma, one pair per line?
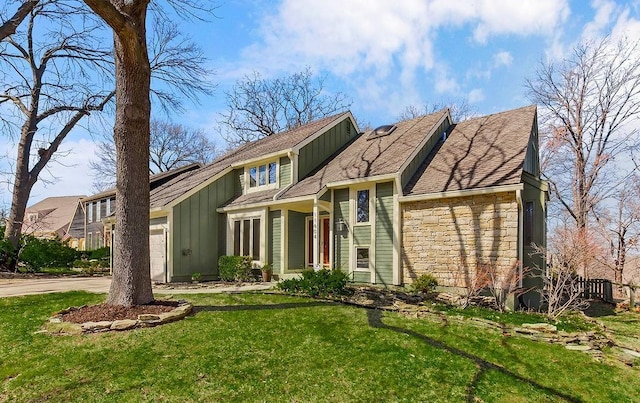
[423,195]
[51,218]
[93,212]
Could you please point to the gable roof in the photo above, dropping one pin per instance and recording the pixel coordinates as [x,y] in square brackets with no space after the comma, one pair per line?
[155,180]
[280,142]
[54,215]
[482,152]
[369,156]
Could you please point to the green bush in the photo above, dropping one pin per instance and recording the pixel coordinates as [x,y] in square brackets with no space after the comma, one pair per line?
[425,283]
[235,268]
[39,253]
[100,253]
[317,283]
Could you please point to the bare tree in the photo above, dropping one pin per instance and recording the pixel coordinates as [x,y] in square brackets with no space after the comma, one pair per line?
[131,284]
[460,110]
[50,83]
[172,146]
[258,107]
[619,226]
[590,104]
[10,25]
[55,80]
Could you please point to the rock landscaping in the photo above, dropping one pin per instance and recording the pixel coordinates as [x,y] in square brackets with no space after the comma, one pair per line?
[71,320]
[590,342]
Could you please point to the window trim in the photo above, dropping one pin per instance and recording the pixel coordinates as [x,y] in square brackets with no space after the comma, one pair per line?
[353,194]
[268,185]
[362,269]
[251,216]
[90,212]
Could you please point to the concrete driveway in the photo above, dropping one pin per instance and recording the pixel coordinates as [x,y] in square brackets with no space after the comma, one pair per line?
[30,286]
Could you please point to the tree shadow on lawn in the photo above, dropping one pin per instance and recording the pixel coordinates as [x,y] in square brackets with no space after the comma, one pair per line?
[263,307]
[374,318]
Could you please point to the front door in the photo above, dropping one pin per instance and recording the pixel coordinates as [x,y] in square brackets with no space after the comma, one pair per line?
[324,242]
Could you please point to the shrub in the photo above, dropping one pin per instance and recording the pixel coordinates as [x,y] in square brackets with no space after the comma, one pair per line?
[235,268]
[38,253]
[100,253]
[425,283]
[317,283]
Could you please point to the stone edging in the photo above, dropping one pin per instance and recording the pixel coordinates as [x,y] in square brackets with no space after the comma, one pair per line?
[56,325]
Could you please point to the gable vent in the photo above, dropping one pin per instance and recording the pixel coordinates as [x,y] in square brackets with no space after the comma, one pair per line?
[382,131]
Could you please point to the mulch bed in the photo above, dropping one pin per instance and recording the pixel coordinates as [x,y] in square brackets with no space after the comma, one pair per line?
[104,312]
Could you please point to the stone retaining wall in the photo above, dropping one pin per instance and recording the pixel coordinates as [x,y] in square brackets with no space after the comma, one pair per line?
[449,238]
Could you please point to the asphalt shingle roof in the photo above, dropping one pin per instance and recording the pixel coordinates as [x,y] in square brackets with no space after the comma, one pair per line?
[172,190]
[367,157]
[481,152]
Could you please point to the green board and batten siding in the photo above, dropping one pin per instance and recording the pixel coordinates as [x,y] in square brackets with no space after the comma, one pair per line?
[384,233]
[423,153]
[341,239]
[199,235]
[296,223]
[285,171]
[275,239]
[321,148]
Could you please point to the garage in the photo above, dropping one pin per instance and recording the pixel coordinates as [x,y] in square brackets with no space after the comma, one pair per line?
[158,255]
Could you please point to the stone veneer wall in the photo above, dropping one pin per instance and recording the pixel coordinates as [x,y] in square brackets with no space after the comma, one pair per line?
[449,238]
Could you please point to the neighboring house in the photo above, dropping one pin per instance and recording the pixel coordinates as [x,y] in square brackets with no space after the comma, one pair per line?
[51,218]
[420,196]
[91,213]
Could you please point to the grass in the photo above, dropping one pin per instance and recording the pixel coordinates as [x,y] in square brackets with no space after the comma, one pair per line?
[254,347]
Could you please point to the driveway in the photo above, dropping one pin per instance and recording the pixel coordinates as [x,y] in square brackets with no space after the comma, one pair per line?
[30,286]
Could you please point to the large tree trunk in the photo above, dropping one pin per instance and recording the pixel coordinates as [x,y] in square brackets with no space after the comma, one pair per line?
[131,283]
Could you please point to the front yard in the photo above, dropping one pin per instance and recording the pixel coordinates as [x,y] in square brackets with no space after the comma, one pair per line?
[254,347]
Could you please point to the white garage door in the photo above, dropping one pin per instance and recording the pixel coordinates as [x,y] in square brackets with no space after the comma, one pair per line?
[158,252]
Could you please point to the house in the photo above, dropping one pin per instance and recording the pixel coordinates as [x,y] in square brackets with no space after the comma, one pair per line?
[423,195]
[51,218]
[91,213]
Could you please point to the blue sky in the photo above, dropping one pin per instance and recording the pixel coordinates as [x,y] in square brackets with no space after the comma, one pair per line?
[384,55]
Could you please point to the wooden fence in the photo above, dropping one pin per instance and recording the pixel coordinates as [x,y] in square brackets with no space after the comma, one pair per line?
[596,288]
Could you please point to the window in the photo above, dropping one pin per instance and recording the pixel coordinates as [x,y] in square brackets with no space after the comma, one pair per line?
[246,237]
[528,223]
[263,175]
[108,207]
[98,210]
[253,179]
[272,172]
[90,212]
[33,217]
[89,245]
[362,199]
[362,259]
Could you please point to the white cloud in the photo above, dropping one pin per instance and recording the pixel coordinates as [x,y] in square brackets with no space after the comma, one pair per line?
[502,58]
[363,40]
[476,95]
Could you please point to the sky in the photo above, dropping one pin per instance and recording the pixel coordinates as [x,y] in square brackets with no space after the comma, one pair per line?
[384,55]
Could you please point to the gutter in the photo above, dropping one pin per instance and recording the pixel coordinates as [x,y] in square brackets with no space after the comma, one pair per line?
[462,193]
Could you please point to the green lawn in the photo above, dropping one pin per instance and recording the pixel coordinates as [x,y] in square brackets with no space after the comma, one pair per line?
[254,347]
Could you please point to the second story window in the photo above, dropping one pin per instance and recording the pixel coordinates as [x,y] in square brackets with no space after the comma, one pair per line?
[263,175]
[362,207]
[98,215]
[89,212]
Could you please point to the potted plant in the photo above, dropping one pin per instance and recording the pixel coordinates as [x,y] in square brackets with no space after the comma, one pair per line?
[196,277]
[267,271]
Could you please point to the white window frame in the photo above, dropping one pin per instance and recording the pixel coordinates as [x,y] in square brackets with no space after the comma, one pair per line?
[257,188]
[354,205]
[362,269]
[90,212]
[108,207]
[98,212]
[248,215]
